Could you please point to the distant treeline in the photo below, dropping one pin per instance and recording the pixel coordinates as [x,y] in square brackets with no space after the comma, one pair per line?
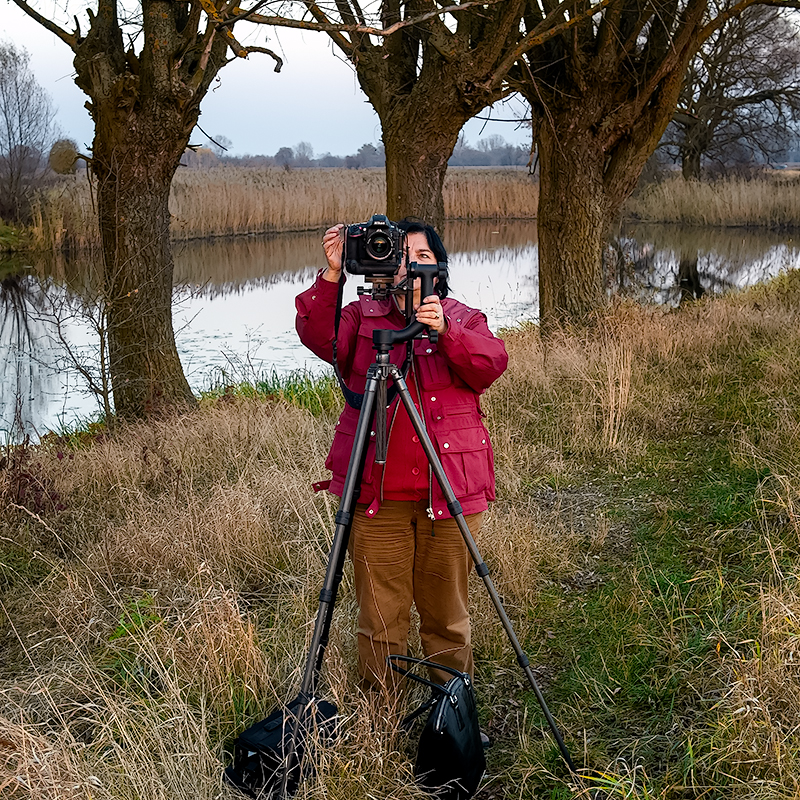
[492,151]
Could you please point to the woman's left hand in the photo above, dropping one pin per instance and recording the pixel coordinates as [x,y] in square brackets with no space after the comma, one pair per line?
[430,313]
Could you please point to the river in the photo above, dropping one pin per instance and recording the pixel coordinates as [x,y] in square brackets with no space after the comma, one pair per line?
[234,303]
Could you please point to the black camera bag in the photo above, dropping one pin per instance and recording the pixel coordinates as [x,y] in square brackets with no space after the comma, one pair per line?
[450,760]
[260,751]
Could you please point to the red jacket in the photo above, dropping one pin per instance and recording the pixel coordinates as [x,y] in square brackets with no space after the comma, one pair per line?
[450,375]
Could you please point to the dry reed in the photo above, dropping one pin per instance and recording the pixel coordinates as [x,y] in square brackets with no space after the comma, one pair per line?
[229,201]
[772,202]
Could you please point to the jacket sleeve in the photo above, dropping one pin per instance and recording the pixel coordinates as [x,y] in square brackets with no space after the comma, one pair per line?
[315,321]
[472,351]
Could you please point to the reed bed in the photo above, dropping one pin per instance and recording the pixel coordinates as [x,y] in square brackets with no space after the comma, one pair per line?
[771,202]
[158,583]
[230,201]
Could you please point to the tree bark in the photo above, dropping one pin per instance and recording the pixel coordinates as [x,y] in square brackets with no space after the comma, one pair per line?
[134,166]
[690,163]
[572,225]
[417,151]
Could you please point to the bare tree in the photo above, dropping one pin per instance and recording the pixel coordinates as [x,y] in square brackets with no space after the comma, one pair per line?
[146,68]
[741,95]
[26,131]
[602,93]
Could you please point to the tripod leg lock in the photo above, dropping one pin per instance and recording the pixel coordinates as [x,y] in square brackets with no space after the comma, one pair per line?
[327,596]
[481,569]
[343,517]
[455,508]
[523,660]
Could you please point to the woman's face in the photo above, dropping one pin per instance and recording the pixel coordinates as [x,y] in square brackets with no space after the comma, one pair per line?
[418,250]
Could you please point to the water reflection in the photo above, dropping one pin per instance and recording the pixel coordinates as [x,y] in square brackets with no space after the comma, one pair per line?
[27,374]
[668,266]
[234,309]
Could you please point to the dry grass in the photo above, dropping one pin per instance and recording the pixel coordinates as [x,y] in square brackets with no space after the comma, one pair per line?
[158,585]
[227,201]
[772,201]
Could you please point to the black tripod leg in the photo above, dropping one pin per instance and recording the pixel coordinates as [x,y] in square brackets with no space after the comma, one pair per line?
[338,552]
[333,573]
[480,567]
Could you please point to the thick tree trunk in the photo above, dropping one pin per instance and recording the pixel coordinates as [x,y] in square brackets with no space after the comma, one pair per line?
[572,224]
[133,195]
[417,152]
[690,163]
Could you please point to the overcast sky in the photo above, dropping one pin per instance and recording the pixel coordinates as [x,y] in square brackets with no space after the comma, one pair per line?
[315,98]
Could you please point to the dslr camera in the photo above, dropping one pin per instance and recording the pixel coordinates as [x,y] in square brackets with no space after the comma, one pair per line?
[373,248]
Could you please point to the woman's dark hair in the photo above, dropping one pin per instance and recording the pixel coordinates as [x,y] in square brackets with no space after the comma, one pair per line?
[412,225]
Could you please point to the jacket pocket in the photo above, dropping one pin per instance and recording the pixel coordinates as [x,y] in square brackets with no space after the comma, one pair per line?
[432,370]
[465,455]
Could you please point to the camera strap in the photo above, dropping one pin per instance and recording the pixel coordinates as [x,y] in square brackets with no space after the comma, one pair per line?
[354,399]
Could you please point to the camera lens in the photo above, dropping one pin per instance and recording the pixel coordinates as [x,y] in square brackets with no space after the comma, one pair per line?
[379,246]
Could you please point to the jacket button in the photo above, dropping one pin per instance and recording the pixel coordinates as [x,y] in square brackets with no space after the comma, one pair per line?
[372,433]
[313,297]
[415,438]
[429,350]
[439,512]
[436,418]
[446,445]
[415,471]
[458,320]
[433,399]
[483,441]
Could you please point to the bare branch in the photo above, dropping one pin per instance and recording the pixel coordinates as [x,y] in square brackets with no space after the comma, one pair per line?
[254,49]
[211,10]
[343,42]
[329,27]
[545,31]
[69,38]
[738,8]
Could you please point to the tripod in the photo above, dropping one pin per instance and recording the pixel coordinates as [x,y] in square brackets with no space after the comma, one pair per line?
[374,402]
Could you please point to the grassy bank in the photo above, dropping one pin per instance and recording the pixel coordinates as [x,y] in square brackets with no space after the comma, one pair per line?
[772,201]
[158,585]
[226,201]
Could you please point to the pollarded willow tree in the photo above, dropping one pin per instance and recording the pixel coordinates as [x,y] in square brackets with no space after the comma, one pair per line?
[145,67]
[602,95]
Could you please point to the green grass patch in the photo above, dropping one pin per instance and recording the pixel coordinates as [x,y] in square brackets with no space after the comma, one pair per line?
[319,394]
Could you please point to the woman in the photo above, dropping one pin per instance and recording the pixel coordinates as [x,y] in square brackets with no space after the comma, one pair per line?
[404,544]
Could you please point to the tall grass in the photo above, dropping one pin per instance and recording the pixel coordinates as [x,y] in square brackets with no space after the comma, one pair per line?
[227,201]
[158,584]
[772,202]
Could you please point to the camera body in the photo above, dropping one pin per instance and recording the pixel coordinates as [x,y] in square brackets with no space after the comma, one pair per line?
[373,248]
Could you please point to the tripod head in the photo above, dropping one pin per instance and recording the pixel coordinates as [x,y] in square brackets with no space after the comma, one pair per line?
[384,340]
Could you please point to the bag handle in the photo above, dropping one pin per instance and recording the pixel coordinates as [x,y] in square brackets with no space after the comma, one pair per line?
[437,687]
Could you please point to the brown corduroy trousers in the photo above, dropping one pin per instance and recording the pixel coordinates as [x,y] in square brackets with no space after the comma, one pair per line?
[400,556]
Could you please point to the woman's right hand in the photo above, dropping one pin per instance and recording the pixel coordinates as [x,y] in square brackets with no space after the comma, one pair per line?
[332,244]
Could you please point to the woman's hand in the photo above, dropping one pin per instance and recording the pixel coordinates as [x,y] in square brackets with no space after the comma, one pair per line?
[332,244]
[430,313]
